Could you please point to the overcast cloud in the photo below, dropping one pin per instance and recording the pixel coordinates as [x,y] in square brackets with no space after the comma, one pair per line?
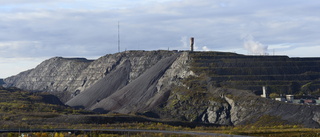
[34,30]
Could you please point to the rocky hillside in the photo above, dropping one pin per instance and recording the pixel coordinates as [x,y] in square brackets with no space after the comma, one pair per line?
[67,77]
[208,87]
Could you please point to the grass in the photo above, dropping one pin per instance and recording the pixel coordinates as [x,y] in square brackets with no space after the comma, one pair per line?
[95,134]
[18,108]
[274,131]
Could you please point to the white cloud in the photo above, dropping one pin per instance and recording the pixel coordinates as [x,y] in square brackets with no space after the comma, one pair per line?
[205,48]
[3,2]
[311,51]
[89,28]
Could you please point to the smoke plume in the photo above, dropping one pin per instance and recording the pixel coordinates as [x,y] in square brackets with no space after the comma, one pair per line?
[184,42]
[254,47]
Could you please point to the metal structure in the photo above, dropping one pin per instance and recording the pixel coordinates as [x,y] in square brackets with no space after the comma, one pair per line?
[191,43]
[118,36]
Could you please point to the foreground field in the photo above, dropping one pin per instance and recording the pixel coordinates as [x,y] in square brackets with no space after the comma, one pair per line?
[35,113]
[168,131]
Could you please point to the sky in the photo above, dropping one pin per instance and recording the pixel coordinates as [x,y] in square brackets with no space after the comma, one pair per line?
[32,31]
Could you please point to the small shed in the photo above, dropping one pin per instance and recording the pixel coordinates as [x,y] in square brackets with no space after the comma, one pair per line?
[280,99]
[289,98]
[309,101]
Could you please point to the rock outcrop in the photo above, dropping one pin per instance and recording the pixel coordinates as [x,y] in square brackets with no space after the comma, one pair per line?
[207,87]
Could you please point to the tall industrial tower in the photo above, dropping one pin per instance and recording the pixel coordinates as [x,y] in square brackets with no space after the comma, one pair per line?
[191,43]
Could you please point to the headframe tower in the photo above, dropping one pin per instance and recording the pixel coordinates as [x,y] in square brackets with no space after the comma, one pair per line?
[191,43]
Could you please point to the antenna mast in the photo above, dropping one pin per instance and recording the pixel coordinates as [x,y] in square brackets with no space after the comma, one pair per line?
[118,36]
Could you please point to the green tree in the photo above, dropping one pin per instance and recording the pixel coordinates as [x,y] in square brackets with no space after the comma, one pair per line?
[274,95]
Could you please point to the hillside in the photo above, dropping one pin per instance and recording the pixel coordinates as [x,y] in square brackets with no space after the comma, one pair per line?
[18,107]
[280,74]
[209,87]
[67,77]
[136,93]
[34,110]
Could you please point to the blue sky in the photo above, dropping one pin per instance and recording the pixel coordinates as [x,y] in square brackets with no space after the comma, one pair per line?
[35,30]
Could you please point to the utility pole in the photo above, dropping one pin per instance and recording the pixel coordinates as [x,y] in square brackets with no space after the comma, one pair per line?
[273,52]
[118,36]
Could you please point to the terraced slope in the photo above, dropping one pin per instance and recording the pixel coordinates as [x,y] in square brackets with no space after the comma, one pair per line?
[280,74]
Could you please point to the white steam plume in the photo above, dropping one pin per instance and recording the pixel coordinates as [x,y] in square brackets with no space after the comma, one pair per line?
[254,47]
[184,42]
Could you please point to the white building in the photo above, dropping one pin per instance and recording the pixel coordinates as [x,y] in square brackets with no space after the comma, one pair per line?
[290,98]
[264,94]
[280,99]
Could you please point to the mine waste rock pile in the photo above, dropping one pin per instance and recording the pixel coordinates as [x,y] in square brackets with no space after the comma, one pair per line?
[208,87]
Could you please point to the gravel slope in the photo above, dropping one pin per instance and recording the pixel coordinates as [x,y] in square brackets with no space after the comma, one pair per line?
[135,95]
